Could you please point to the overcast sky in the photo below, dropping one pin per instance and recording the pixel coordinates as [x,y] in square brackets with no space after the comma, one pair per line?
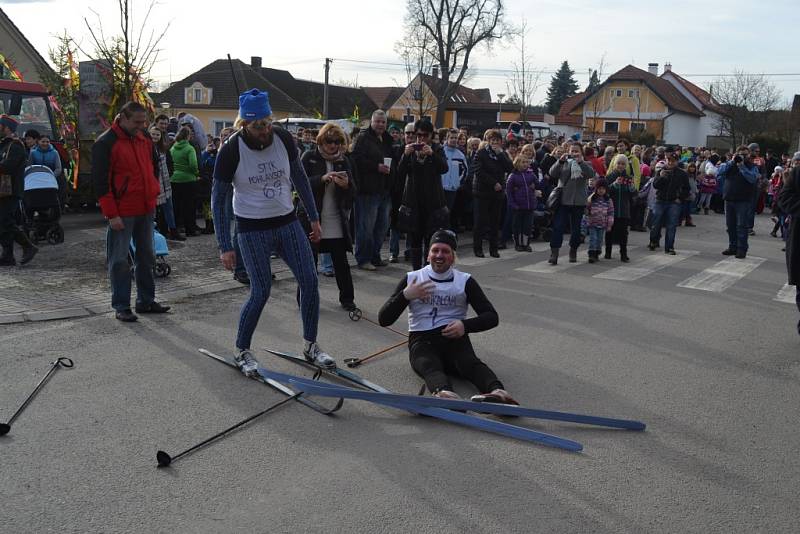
[699,38]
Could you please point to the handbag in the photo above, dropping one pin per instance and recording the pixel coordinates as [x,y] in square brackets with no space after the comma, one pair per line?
[554,199]
[406,222]
[440,218]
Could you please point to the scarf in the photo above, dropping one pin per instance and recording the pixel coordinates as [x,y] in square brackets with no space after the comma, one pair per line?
[575,170]
[334,157]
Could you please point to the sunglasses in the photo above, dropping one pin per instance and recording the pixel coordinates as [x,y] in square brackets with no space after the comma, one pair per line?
[423,135]
[260,125]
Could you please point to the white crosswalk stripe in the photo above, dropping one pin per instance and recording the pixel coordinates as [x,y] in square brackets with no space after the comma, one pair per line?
[786,294]
[645,266]
[722,275]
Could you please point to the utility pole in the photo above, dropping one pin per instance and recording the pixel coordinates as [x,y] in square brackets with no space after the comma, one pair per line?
[328,62]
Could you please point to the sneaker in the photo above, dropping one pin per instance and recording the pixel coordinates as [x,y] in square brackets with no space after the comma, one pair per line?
[499,396]
[729,252]
[446,394]
[670,251]
[317,356]
[246,363]
[367,267]
[126,316]
[741,255]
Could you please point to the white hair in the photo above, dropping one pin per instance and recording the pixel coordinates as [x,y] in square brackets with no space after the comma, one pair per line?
[378,114]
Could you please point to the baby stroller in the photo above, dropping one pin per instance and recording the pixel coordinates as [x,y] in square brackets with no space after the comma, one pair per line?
[542,222]
[161,268]
[41,205]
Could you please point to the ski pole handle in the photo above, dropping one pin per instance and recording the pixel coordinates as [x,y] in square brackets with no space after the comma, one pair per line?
[64,362]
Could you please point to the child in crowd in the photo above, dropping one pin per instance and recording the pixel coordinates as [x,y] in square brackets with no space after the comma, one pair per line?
[522,193]
[599,217]
[774,189]
[708,183]
[621,190]
[688,204]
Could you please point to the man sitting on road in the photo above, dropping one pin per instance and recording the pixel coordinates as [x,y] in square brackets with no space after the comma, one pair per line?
[437,297]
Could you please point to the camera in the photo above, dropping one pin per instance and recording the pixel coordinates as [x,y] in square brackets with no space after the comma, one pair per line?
[737,159]
[418,146]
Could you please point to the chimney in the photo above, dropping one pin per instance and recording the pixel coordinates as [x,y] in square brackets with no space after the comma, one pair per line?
[667,66]
[652,68]
[435,71]
[255,62]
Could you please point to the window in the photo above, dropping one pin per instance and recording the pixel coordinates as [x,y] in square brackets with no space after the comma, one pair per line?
[198,95]
[616,92]
[638,127]
[610,127]
[218,125]
[633,93]
[408,118]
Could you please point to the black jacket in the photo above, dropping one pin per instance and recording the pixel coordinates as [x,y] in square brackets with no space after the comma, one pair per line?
[789,202]
[674,185]
[423,191]
[368,152]
[315,167]
[13,158]
[490,169]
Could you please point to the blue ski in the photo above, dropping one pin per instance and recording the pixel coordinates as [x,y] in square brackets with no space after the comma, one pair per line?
[505,429]
[289,392]
[479,407]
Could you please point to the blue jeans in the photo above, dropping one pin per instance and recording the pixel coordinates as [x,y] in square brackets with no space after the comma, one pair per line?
[567,215]
[665,214]
[394,242]
[372,222]
[140,229]
[596,236]
[751,215]
[737,219]
[291,243]
[169,213]
[239,268]
[325,262]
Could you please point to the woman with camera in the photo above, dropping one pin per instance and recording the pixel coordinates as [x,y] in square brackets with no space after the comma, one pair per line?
[424,207]
[331,179]
[492,164]
[572,174]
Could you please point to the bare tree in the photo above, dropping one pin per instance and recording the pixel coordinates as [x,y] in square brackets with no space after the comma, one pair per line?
[593,88]
[416,61]
[129,55]
[454,28]
[525,79]
[748,100]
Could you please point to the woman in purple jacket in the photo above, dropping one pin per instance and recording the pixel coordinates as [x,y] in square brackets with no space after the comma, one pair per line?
[522,193]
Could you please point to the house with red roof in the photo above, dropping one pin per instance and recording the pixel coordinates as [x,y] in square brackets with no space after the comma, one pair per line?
[633,101]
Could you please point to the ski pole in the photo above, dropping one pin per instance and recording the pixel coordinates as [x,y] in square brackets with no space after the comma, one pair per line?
[355,362]
[164,459]
[5,428]
[390,329]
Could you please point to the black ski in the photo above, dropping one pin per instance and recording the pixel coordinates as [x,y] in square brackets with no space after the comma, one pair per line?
[286,390]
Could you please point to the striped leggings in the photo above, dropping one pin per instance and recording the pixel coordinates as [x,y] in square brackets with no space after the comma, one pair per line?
[291,244]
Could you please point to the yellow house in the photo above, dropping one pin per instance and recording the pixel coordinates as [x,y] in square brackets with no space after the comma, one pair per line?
[632,101]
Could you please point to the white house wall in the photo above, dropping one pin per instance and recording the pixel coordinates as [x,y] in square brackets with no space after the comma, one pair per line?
[684,130]
[709,126]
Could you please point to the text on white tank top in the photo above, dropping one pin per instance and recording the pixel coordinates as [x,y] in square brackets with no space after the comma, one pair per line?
[446,304]
[262,186]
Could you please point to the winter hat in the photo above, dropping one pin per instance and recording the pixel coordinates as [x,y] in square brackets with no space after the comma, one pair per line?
[796,156]
[600,182]
[778,169]
[515,127]
[445,236]
[409,127]
[8,122]
[254,105]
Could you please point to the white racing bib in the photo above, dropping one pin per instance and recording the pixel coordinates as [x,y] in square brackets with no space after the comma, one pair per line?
[446,304]
[262,187]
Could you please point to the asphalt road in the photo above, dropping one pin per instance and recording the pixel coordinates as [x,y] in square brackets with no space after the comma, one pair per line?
[714,374]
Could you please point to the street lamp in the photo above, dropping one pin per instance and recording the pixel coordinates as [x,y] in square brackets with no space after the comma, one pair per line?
[165,106]
[500,97]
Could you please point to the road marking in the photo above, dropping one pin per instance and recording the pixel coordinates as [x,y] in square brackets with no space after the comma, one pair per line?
[646,265]
[723,274]
[563,264]
[787,294]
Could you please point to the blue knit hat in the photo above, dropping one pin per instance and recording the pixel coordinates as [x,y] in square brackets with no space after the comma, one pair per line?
[254,105]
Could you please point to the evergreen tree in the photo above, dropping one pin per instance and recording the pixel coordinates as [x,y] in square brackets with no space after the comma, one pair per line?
[594,82]
[562,86]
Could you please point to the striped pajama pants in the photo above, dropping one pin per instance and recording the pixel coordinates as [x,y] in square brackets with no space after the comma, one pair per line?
[291,244]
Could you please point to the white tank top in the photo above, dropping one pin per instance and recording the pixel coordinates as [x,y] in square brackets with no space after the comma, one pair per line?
[262,187]
[446,304]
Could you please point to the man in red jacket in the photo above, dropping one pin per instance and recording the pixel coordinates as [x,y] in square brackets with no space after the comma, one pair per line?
[124,175]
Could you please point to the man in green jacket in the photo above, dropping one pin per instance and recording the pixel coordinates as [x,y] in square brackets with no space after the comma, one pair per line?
[184,181]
